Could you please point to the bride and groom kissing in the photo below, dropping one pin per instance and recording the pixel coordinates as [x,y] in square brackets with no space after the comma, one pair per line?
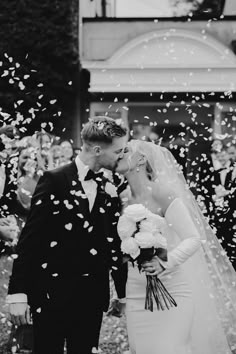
[70,244]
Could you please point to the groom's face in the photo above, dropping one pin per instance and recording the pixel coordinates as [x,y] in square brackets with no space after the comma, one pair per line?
[129,162]
[112,153]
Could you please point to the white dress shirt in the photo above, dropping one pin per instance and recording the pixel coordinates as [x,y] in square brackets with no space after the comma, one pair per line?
[90,186]
[216,163]
[2,179]
[90,189]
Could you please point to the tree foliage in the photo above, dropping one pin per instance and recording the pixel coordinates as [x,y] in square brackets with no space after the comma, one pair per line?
[39,62]
[210,8]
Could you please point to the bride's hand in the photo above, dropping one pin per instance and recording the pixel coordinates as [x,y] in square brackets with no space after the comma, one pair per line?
[152,267]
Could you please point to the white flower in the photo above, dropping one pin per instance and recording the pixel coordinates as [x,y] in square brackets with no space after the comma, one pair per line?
[111,189]
[147,225]
[130,246]
[157,220]
[145,239]
[126,227]
[136,212]
[160,241]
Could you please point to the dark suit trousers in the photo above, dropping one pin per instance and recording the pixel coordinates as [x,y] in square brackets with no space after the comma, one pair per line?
[77,323]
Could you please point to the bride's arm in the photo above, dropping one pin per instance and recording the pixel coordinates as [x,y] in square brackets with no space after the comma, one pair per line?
[180,220]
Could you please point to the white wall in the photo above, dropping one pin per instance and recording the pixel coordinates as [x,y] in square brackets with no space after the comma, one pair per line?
[102,39]
[141,8]
[230,8]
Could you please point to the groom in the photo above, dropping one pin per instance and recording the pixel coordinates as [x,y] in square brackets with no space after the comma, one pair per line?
[68,245]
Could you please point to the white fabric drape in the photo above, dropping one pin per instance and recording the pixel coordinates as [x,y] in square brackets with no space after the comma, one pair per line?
[212,275]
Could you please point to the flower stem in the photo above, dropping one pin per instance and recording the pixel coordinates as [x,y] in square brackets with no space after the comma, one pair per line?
[155,289]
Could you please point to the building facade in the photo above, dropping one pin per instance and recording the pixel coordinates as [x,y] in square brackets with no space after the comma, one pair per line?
[172,79]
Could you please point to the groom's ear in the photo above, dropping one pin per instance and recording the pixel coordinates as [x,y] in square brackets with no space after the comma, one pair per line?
[97,150]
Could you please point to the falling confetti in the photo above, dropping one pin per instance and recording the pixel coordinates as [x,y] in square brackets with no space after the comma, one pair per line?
[68,226]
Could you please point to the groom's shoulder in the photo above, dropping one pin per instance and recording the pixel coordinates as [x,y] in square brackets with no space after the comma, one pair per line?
[57,172]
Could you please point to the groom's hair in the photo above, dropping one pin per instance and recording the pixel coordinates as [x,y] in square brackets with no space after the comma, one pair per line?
[102,129]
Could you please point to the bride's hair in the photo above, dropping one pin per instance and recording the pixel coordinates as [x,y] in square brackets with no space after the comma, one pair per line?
[144,149]
[102,129]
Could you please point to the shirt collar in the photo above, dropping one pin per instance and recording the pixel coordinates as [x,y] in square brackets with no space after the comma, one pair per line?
[82,168]
[228,165]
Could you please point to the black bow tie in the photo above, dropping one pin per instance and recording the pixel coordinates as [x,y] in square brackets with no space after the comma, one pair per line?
[222,169]
[97,177]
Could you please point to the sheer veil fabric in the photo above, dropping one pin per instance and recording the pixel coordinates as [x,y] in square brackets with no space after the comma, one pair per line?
[213,279]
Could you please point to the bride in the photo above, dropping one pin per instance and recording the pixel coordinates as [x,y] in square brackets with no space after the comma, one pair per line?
[197,273]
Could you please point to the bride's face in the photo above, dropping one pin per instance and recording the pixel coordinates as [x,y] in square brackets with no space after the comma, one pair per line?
[129,162]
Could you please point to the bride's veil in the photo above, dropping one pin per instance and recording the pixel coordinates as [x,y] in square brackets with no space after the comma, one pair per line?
[213,277]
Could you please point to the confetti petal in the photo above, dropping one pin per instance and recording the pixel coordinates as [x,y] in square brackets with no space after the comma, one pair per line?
[68,226]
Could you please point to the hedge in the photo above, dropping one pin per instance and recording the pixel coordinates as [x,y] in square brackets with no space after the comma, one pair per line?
[39,63]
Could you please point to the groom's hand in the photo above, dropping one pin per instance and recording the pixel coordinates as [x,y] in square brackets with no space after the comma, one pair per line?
[20,313]
[116,309]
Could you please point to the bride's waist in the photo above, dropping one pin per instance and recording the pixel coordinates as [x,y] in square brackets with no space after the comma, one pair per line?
[175,280]
[133,268]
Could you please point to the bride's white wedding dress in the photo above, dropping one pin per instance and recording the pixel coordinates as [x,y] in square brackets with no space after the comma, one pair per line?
[193,327]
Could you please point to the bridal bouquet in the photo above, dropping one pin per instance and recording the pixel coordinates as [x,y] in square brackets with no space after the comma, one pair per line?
[141,234]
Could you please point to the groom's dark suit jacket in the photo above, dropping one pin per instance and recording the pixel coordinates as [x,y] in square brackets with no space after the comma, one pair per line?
[63,244]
